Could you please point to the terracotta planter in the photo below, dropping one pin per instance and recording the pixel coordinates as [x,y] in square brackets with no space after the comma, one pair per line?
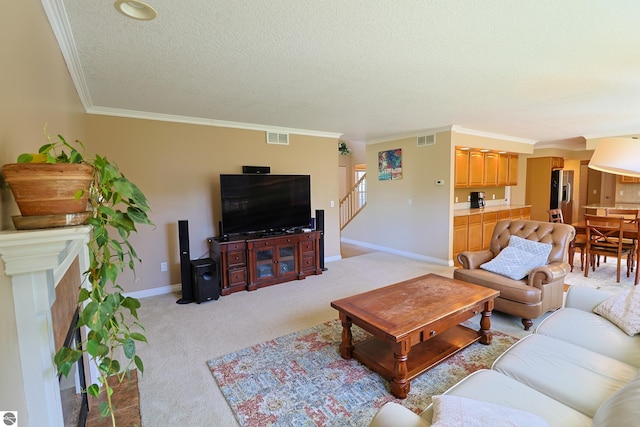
[48,189]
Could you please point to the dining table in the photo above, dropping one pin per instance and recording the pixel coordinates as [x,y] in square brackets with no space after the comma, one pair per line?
[630,231]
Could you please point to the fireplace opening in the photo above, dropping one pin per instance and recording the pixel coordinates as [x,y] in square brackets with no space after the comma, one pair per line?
[73,388]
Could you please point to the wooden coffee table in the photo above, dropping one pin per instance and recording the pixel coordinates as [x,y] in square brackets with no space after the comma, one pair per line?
[415,325]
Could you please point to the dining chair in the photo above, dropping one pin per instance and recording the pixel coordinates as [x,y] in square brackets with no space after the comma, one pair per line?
[631,216]
[579,242]
[605,237]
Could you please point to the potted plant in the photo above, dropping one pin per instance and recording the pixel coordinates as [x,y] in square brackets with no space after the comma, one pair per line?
[116,205]
[343,149]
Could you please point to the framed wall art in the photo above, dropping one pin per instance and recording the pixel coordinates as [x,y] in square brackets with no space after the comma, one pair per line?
[390,164]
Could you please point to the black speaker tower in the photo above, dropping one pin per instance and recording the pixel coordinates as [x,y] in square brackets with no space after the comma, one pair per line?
[320,228]
[185,263]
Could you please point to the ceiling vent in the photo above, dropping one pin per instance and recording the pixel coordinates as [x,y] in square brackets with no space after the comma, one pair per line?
[277,138]
[426,140]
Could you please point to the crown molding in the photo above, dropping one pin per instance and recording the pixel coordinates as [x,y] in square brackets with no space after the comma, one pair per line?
[207,122]
[57,15]
[460,129]
[409,135]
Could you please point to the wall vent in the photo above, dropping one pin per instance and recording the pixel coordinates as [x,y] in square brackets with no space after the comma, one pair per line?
[426,140]
[277,138]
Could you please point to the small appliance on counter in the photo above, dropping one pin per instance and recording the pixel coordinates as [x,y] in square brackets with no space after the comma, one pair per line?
[477,199]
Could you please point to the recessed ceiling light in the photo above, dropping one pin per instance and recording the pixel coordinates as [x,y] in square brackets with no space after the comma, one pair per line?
[136,9]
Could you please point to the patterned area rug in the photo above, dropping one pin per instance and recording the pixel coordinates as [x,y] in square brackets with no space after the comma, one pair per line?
[301,380]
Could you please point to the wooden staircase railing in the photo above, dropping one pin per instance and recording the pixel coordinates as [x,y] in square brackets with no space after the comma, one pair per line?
[353,202]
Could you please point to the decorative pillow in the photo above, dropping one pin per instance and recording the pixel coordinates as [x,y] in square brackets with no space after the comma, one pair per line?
[623,310]
[535,248]
[514,263]
[454,411]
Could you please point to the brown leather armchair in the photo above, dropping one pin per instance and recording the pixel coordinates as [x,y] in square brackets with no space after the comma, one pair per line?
[540,291]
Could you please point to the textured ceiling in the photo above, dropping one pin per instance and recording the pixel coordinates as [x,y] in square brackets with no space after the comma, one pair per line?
[531,70]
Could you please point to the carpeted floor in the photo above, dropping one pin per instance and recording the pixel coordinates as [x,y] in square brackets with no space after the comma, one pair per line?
[301,380]
[177,387]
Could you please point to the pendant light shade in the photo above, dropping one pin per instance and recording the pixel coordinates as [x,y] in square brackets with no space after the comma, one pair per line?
[620,156]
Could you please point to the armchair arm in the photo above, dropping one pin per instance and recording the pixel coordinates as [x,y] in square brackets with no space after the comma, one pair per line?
[471,260]
[548,273]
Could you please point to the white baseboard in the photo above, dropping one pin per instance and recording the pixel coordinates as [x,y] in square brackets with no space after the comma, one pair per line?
[162,290]
[432,260]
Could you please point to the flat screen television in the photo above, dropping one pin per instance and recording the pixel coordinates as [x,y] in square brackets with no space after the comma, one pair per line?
[258,203]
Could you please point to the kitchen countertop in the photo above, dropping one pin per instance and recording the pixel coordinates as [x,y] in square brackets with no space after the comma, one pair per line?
[615,206]
[494,208]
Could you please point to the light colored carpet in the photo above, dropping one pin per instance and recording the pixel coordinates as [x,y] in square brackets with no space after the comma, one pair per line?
[604,277]
[177,388]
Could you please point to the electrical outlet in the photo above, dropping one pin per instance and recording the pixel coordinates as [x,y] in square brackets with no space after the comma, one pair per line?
[621,193]
[163,266]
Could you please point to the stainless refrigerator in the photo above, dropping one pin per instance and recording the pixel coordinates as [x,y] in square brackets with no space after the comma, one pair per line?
[566,196]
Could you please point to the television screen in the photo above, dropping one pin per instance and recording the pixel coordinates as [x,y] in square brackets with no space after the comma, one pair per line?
[254,203]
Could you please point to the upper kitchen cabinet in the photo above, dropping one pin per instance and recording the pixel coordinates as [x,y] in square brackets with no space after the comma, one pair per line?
[507,169]
[476,169]
[624,179]
[462,169]
[485,168]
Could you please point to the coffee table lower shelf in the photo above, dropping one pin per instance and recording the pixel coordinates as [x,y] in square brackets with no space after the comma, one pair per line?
[377,354]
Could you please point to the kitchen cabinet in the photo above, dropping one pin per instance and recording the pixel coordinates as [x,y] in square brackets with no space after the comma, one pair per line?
[474,236]
[475,168]
[460,231]
[462,169]
[624,179]
[513,169]
[473,232]
[489,221]
[491,169]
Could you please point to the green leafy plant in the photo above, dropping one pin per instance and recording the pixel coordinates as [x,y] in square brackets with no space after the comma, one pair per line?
[111,318]
[343,149]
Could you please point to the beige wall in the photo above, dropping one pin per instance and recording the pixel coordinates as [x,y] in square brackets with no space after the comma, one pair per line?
[411,215]
[423,228]
[177,166]
[35,88]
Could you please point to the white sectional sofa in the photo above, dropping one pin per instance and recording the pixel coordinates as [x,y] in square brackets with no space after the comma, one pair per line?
[576,369]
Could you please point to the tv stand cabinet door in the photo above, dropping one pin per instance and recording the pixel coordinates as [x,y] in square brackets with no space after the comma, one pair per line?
[272,260]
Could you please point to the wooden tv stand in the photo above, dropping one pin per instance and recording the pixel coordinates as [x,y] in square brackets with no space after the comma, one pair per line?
[246,263]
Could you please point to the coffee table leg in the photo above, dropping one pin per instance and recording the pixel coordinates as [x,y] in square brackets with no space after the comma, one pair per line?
[485,323]
[346,346]
[400,386]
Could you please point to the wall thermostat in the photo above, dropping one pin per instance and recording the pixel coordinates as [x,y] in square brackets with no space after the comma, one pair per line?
[439,181]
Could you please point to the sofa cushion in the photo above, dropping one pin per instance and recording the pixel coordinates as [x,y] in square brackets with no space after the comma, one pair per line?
[494,387]
[573,375]
[593,332]
[621,409]
[623,310]
[514,263]
[454,411]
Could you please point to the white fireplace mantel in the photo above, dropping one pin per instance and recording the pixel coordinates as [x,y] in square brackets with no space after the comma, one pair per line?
[35,261]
